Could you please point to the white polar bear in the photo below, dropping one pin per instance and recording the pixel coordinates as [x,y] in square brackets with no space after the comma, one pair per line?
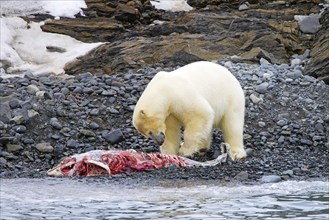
[198,97]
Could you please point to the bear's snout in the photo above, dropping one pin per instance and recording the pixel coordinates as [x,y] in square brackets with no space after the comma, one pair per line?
[158,138]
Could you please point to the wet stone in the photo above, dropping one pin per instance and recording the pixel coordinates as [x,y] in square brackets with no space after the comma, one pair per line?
[20,129]
[249,152]
[270,179]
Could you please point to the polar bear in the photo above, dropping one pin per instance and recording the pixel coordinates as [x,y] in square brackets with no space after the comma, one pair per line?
[198,97]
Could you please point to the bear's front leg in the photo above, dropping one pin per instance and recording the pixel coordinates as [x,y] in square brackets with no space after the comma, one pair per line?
[172,136]
[197,135]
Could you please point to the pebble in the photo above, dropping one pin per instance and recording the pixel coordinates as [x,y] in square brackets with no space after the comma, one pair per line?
[14,147]
[281,139]
[32,89]
[249,152]
[108,93]
[261,124]
[94,111]
[20,129]
[19,119]
[114,136]
[288,172]
[72,143]
[14,103]
[262,88]
[295,62]
[243,7]
[255,99]
[243,175]
[44,147]
[55,123]
[94,125]
[5,140]
[281,122]
[270,179]
[87,133]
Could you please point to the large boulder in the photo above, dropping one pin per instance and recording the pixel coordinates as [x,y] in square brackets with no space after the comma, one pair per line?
[319,63]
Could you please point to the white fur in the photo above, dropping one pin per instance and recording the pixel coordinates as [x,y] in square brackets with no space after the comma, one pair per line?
[199,96]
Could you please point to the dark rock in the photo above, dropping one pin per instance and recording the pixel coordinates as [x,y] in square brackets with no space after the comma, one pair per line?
[28,141]
[20,129]
[5,140]
[114,136]
[72,143]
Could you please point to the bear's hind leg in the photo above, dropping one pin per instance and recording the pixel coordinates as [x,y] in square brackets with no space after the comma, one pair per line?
[172,136]
[232,128]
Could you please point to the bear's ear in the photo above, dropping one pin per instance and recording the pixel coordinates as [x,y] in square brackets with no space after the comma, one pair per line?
[142,113]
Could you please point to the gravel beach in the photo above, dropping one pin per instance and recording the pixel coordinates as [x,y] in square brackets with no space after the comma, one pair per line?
[45,118]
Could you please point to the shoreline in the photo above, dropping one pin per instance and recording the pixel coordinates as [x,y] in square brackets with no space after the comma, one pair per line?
[286,125]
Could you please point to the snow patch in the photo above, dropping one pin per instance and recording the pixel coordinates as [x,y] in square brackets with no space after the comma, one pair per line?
[172,5]
[56,8]
[25,47]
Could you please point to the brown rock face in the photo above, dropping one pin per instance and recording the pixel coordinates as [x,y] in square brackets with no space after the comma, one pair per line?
[138,35]
[319,65]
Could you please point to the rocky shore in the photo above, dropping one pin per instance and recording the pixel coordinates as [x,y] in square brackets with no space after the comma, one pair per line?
[44,118]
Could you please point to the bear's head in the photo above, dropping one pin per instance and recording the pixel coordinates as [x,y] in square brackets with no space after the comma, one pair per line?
[150,126]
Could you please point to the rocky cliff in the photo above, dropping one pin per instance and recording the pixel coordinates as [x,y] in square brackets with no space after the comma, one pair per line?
[138,35]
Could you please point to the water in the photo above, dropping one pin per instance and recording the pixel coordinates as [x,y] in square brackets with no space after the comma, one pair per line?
[89,199]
